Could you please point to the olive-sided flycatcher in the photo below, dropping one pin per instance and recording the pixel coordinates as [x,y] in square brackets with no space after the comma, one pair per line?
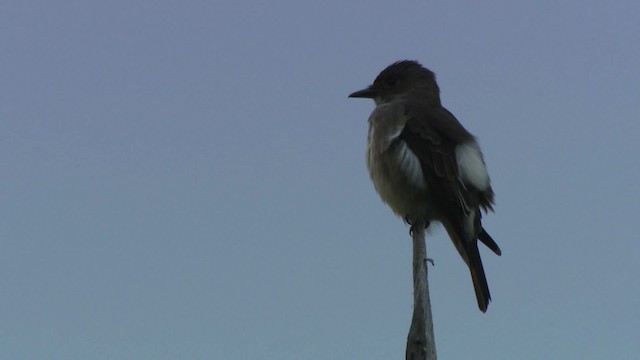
[425,165]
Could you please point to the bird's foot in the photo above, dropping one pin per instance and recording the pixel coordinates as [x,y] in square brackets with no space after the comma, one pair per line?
[413,223]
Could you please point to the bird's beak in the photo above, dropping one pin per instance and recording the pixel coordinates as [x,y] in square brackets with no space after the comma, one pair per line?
[368,93]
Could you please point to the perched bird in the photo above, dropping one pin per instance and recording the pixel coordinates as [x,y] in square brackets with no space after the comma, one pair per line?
[425,165]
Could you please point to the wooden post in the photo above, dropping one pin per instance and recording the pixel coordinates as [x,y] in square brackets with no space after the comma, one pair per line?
[420,342]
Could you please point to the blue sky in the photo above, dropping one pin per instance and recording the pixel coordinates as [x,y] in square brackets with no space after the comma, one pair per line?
[187,179]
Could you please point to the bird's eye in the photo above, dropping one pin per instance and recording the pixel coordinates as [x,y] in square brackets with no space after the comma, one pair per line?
[392,80]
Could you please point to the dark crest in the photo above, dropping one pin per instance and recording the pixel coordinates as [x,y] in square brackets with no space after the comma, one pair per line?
[401,69]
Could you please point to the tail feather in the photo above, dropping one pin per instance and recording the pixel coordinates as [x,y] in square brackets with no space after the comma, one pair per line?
[468,249]
[487,240]
[480,284]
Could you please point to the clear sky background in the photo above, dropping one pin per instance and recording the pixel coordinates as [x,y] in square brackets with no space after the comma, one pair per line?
[186,179]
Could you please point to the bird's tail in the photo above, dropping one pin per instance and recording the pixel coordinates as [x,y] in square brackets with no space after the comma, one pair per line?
[480,284]
[468,249]
[487,240]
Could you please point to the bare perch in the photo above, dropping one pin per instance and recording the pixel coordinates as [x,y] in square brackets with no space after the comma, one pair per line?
[420,342]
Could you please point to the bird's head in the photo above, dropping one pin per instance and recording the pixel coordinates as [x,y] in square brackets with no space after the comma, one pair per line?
[402,79]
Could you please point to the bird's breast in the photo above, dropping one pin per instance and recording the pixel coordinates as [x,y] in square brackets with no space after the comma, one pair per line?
[397,176]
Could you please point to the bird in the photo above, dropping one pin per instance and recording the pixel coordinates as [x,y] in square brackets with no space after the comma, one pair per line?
[426,166]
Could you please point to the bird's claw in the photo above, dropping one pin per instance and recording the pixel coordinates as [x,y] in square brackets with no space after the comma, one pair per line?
[413,223]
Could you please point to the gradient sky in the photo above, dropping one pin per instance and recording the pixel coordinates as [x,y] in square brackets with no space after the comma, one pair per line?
[186,179]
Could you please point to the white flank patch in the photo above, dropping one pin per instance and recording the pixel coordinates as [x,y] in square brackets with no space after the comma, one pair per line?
[410,165]
[471,166]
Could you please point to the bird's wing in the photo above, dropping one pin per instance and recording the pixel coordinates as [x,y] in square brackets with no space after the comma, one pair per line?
[433,133]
